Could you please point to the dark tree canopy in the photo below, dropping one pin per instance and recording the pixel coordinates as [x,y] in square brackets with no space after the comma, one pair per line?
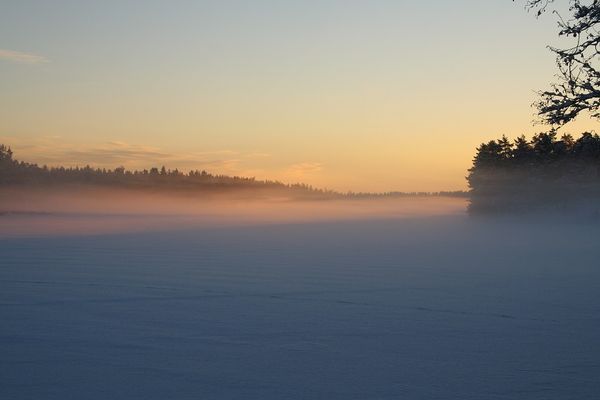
[578,85]
[544,173]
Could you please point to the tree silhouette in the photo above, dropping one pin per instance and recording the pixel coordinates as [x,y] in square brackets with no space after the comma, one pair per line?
[578,86]
[21,174]
[543,173]
[5,153]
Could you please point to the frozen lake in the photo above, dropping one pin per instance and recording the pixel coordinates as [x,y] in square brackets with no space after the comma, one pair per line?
[413,308]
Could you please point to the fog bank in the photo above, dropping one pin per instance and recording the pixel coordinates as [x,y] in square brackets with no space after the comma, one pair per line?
[25,212]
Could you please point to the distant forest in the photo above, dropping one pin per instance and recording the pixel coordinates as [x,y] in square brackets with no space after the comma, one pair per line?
[544,174]
[14,173]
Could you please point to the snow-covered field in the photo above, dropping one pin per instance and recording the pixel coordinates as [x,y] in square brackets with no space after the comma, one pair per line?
[441,307]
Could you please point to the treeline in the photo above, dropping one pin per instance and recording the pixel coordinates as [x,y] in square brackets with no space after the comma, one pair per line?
[20,173]
[23,174]
[546,173]
[454,193]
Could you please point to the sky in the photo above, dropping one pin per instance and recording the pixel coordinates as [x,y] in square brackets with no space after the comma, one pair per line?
[378,95]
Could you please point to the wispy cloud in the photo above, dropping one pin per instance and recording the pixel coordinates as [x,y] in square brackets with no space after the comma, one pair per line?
[20,57]
[54,151]
[50,151]
[302,170]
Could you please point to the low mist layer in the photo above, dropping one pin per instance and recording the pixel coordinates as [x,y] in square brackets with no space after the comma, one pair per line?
[92,210]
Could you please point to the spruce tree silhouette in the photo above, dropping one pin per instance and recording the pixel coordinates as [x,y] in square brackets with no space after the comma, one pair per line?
[538,174]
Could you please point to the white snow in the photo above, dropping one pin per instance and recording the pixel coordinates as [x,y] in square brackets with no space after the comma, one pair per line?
[441,307]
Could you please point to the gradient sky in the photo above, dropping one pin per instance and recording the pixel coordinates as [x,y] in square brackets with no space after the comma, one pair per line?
[371,95]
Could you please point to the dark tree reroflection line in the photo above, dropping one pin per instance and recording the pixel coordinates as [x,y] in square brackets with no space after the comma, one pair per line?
[578,86]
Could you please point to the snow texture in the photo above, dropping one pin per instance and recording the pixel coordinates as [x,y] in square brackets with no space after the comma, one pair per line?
[416,308]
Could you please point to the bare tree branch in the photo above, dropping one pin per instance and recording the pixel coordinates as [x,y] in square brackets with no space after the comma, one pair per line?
[578,86]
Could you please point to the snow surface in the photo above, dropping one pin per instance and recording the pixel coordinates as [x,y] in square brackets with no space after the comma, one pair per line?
[416,308]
